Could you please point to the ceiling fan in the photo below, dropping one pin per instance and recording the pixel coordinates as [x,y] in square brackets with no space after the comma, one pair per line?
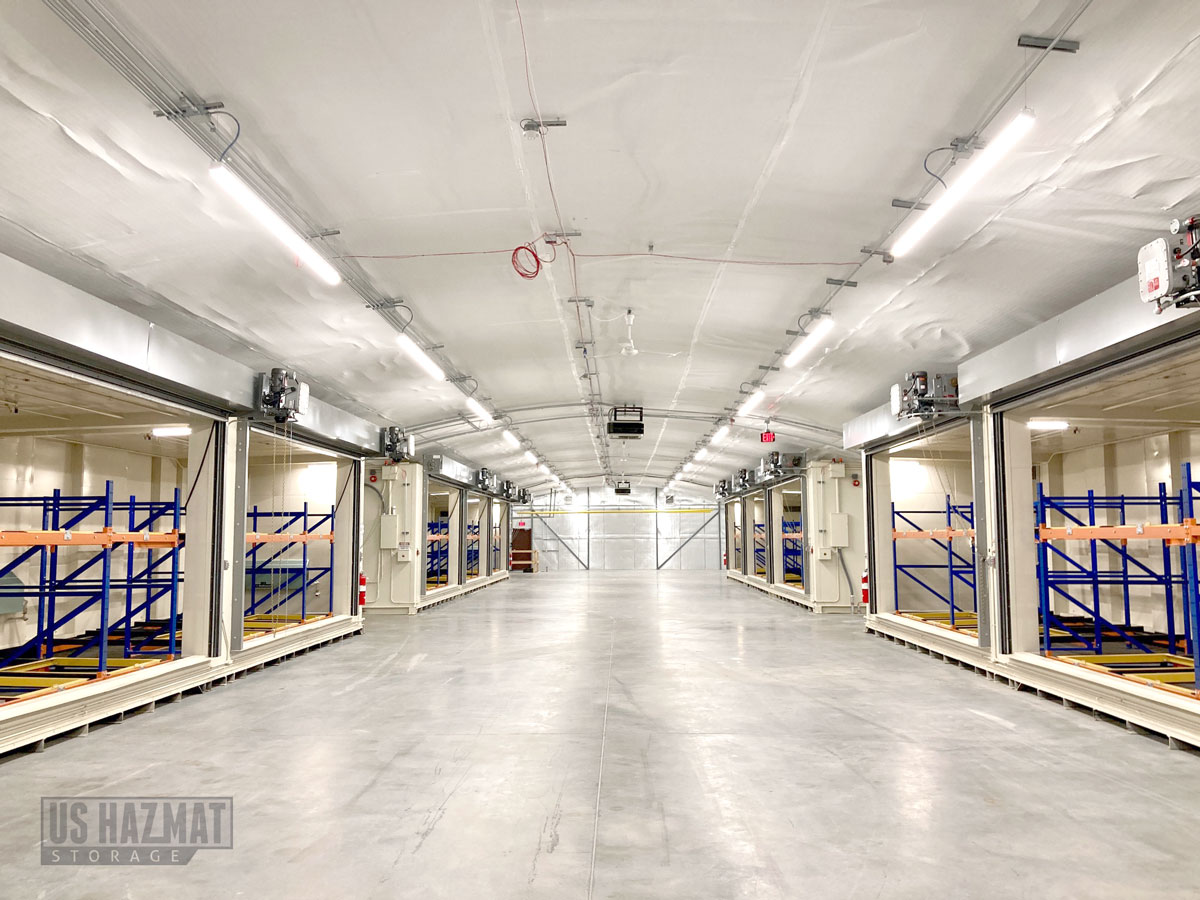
[628,348]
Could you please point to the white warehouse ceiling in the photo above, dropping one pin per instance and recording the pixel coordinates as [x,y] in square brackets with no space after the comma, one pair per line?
[755,132]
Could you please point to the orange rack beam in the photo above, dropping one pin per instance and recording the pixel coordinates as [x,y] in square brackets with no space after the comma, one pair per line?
[937,534]
[1185,533]
[302,537]
[104,538]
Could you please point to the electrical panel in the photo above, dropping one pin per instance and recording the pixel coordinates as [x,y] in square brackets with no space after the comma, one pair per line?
[389,532]
[1167,268]
[839,530]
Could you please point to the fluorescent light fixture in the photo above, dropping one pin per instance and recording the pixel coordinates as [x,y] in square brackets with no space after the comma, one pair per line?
[701,453]
[420,357]
[482,414]
[531,457]
[172,431]
[751,402]
[1048,425]
[689,466]
[806,346]
[248,200]
[510,438]
[721,434]
[982,163]
[544,469]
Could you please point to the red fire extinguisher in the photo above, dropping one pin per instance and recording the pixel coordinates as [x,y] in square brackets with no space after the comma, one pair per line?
[866,586]
[362,588]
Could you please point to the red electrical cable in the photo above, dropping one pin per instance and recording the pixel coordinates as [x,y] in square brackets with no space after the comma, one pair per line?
[526,262]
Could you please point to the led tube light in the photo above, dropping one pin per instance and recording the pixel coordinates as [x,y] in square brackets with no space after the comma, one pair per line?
[810,341]
[702,453]
[510,438]
[248,200]
[982,163]
[171,431]
[720,435]
[482,414]
[531,457]
[1048,425]
[420,357]
[751,402]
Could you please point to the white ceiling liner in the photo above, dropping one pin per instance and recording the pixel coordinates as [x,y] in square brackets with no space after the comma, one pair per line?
[762,130]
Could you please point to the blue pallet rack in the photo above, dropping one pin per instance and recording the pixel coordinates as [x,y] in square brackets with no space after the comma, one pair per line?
[1087,576]
[437,557]
[285,580]
[760,549]
[150,575]
[473,559]
[793,550]
[959,568]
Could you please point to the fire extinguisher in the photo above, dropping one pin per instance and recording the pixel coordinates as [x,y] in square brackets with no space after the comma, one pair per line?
[866,586]
[362,588]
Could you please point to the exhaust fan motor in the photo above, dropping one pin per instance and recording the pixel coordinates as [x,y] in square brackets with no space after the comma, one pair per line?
[282,395]
[396,445]
[1167,268]
[915,399]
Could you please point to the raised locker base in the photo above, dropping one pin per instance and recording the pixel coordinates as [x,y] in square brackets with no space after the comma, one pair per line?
[30,723]
[790,594]
[439,595]
[1138,707]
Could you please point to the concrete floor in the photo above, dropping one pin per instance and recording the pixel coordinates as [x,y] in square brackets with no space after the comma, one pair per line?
[621,735]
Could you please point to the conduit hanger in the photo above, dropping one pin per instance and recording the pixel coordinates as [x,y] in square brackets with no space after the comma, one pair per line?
[533,126]
[883,254]
[1035,42]
[190,108]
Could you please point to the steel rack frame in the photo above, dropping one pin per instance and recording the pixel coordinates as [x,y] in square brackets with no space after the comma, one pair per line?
[792,538]
[1079,512]
[294,581]
[474,563]
[959,524]
[437,555]
[760,550]
[1171,670]
[71,521]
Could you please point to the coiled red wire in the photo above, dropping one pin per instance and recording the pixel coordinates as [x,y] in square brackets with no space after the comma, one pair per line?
[526,261]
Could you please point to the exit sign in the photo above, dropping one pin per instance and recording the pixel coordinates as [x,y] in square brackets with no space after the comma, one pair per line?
[767,437]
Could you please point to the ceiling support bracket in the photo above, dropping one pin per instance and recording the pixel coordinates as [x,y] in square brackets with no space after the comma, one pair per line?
[908,204]
[1036,42]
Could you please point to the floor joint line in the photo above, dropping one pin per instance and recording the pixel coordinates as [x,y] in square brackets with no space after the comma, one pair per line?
[612,643]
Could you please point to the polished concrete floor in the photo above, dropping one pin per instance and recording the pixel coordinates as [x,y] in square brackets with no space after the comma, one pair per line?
[623,735]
